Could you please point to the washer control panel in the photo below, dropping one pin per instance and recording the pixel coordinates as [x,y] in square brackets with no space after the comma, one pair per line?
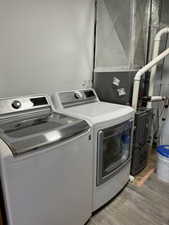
[11,105]
[78,97]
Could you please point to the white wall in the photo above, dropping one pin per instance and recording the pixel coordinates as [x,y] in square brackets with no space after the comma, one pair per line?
[45,45]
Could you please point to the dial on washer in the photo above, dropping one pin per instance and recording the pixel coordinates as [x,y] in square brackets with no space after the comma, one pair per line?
[78,95]
[16,104]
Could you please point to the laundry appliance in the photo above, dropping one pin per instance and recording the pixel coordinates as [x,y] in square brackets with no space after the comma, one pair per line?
[112,126]
[117,87]
[141,140]
[45,164]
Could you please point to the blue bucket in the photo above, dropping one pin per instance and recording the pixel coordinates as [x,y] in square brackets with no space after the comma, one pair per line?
[163,163]
[163,150]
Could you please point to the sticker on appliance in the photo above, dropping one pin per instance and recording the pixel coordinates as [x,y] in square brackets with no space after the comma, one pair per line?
[121,91]
[116,81]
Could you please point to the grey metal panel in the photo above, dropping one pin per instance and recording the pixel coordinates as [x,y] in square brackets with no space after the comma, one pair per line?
[165,74]
[114,87]
[158,16]
[164,21]
[155,24]
[164,91]
[140,28]
[159,19]
[113,33]
[164,15]
[121,34]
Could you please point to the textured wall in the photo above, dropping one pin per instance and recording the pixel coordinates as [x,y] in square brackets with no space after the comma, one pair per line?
[113,33]
[121,34]
[45,45]
[160,19]
[164,78]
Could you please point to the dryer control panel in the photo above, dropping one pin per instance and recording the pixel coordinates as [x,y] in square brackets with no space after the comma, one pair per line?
[77,97]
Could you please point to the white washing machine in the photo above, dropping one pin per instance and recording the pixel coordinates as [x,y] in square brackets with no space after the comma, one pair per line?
[45,164]
[112,126]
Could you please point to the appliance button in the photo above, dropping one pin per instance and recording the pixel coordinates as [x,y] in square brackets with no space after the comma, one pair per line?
[16,104]
[78,95]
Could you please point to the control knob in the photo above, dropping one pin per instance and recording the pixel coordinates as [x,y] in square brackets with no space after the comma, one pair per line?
[16,104]
[78,95]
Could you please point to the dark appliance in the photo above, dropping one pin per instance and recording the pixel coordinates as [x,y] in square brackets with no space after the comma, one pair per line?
[115,87]
[141,140]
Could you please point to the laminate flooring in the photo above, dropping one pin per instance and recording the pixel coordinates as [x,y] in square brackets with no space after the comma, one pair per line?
[146,205]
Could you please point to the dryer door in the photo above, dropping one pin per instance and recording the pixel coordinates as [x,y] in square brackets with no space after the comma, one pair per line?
[114,150]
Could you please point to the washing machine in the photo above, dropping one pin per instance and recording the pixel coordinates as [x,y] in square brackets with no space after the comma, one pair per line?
[45,164]
[112,134]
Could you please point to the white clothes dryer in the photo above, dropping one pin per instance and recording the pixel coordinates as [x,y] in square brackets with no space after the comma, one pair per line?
[112,135]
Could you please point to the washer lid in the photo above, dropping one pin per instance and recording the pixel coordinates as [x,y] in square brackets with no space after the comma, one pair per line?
[30,134]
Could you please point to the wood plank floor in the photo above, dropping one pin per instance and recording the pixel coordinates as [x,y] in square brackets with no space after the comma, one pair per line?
[146,205]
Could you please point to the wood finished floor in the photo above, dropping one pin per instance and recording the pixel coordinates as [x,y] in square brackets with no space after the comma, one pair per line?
[146,205]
